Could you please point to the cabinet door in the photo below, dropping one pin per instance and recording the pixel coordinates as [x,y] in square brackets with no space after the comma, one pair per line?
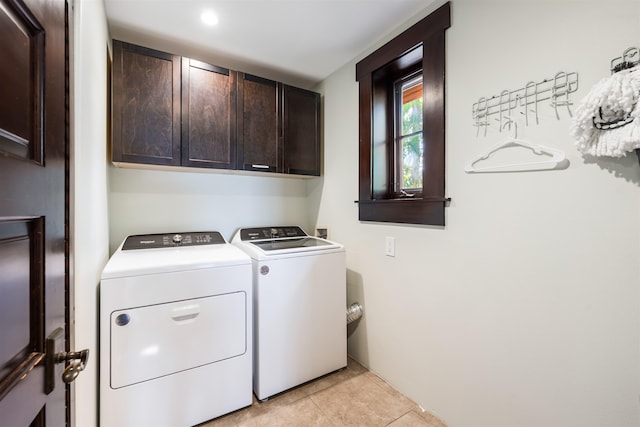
[146,105]
[258,131]
[301,131]
[208,115]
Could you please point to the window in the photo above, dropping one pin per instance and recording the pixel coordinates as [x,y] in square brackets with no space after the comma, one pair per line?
[401,122]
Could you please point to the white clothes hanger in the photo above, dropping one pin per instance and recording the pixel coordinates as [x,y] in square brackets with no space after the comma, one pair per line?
[552,157]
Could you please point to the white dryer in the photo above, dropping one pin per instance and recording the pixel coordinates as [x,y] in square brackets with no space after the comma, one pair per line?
[299,291]
[175,331]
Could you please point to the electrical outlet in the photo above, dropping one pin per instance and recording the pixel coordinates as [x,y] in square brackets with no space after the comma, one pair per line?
[323,233]
[390,246]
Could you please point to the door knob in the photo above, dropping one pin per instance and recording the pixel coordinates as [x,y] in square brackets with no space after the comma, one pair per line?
[77,361]
[56,358]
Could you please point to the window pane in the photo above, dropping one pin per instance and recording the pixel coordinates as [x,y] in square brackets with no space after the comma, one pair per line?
[411,110]
[412,154]
[411,149]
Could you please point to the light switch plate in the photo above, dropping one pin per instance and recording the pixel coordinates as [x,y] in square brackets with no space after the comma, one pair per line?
[390,246]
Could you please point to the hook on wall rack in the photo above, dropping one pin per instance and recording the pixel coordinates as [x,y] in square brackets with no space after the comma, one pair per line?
[630,58]
[525,100]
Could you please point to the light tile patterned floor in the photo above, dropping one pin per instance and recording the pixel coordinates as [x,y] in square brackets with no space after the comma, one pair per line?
[350,397]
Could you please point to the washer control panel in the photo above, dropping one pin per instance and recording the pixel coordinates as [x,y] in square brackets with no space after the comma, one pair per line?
[271,233]
[170,240]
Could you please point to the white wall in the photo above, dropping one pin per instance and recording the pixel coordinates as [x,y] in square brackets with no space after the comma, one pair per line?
[524,309]
[152,201]
[89,222]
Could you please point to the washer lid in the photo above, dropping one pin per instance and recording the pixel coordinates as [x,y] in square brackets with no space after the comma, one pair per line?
[165,259]
[296,243]
[266,242]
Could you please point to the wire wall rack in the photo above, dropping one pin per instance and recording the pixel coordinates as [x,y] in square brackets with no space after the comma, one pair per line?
[525,101]
[629,59]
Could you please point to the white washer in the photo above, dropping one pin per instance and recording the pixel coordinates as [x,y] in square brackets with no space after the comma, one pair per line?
[175,331]
[299,291]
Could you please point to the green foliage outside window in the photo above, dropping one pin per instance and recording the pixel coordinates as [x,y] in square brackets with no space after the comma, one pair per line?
[412,151]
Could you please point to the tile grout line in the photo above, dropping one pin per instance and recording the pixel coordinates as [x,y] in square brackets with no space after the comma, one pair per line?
[393,421]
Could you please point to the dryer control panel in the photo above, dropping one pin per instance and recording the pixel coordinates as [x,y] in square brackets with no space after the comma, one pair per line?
[170,240]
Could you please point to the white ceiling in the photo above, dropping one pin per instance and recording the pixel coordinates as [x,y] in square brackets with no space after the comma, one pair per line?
[304,39]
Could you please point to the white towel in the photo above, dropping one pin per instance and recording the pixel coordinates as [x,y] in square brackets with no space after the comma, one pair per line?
[613,99]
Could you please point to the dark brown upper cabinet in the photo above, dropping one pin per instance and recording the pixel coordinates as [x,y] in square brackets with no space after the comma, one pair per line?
[258,125]
[208,115]
[278,127]
[300,131]
[146,105]
[173,111]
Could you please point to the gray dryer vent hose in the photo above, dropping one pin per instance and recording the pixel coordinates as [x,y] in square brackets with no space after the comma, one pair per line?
[354,312]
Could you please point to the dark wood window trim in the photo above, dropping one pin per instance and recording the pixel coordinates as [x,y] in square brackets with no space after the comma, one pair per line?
[377,200]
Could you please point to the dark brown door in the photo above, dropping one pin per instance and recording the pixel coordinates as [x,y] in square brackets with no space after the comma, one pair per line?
[258,126]
[146,105]
[301,131]
[32,209]
[208,115]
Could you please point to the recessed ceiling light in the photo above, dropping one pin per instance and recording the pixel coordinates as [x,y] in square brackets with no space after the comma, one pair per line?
[209,17]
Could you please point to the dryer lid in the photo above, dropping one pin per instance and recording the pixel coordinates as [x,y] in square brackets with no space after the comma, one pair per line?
[160,257]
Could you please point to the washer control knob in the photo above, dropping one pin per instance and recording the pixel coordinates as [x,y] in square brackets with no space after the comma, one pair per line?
[177,239]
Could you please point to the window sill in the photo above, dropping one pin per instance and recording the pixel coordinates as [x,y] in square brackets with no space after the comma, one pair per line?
[406,210]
